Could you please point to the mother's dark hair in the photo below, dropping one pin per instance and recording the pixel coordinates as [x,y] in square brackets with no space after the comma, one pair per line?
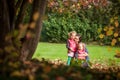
[80,37]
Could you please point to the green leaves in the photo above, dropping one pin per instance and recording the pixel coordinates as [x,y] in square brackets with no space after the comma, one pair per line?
[57,26]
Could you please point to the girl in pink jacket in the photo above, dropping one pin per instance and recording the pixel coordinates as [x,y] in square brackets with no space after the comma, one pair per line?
[81,51]
[71,46]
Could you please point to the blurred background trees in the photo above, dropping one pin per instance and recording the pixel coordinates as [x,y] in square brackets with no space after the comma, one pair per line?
[87,17]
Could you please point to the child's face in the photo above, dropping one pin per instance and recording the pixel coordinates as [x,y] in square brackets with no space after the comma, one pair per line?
[73,36]
[80,46]
[76,39]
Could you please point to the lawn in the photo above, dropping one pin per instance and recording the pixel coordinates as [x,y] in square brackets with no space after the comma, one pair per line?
[102,54]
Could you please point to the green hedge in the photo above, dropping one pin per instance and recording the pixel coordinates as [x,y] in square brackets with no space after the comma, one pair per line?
[86,23]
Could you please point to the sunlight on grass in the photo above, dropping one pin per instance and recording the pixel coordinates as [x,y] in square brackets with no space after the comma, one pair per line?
[58,51]
[51,51]
[102,54]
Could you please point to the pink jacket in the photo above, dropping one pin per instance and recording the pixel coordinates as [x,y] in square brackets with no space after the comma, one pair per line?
[82,54]
[71,45]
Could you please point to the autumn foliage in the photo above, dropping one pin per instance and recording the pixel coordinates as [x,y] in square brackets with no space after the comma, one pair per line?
[111,31]
[63,6]
[46,70]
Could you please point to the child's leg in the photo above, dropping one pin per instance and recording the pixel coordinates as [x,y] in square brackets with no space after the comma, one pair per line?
[85,64]
[87,58]
[69,60]
[89,63]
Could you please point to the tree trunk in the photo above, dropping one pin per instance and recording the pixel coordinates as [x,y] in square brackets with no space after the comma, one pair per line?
[4,26]
[30,44]
[11,9]
[21,14]
[4,22]
[17,5]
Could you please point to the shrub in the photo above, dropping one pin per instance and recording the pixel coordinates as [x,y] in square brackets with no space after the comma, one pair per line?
[110,34]
[86,22]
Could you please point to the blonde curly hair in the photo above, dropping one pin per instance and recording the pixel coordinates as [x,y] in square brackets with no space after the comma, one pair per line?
[72,32]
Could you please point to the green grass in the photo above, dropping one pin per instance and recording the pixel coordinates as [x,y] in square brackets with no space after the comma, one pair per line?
[58,51]
[51,51]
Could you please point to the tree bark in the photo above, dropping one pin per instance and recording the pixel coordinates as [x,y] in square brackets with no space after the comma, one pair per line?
[18,5]
[11,9]
[4,22]
[30,45]
[4,27]
[21,14]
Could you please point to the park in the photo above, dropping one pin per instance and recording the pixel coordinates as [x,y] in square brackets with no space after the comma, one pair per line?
[34,34]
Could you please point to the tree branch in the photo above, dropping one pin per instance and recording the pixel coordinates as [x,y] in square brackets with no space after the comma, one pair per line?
[21,13]
[18,5]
